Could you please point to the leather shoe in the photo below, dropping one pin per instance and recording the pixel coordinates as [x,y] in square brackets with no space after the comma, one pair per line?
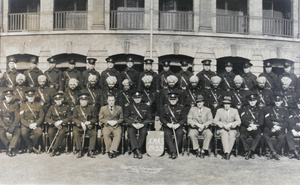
[275,156]
[35,150]
[226,156]
[80,154]
[173,156]
[139,154]
[114,154]
[297,156]
[110,155]
[248,154]
[52,154]
[8,152]
[57,153]
[91,154]
[29,151]
[202,154]
[13,152]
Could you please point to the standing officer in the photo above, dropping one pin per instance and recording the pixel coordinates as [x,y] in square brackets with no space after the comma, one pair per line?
[90,65]
[111,118]
[252,119]
[125,98]
[148,72]
[57,118]
[33,72]
[288,73]
[205,75]
[173,117]
[96,96]
[271,77]
[200,118]
[130,73]
[110,72]
[214,94]
[288,93]
[238,94]
[84,118]
[184,75]
[276,120]
[9,77]
[192,92]
[71,93]
[227,77]
[248,78]
[111,90]
[265,95]
[32,116]
[137,116]
[227,120]
[9,122]
[20,88]
[163,75]
[72,72]
[54,75]
[44,93]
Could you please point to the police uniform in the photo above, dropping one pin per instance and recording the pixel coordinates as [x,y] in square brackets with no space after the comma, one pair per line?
[192,92]
[276,117]
[265,96]
[214,95]
[163,75]
[205,76]
[57,118]
[30,113]
[184,76]
[9,77]
[137,113]
[289,94]
[271,77]
[154,83]
[72,73]
[82,114]
[44,95]
[9,122]
[86,73]
[173,114]
[249,78]
[110,72]
[238,94]
[131,74]
[290,75]
[33,74]
[71,97]
[150,95]
[19,93]
[227,82]
[111,90]
[54,75]
[252,119]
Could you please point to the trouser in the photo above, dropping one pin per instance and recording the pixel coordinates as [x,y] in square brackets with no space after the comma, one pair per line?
[227,138]
[31,137]
[137,142]
[169,141]
[59,138]
[207,134]
[14,140]
[112,145]
[280,139]
[78,135]
[290,140]
[255,134]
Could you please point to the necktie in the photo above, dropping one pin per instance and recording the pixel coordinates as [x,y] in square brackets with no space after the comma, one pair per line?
[111,109]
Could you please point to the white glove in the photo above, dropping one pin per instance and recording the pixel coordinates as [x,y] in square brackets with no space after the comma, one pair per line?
[56,124]
[32,126]
[277,127]
[83,126]
[298,133]
[249,129]
[87,123]
[295,133]
[175,126]
[170,125]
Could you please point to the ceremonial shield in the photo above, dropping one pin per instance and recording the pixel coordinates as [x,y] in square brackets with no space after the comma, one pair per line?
[155,144]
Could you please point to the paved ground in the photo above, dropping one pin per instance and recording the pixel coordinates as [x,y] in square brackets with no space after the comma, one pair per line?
[67,169]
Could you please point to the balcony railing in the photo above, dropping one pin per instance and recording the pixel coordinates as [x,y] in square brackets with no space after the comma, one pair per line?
[126,20]
[176,21]
[23,21]
[70,20]
[232,24]
[278,27]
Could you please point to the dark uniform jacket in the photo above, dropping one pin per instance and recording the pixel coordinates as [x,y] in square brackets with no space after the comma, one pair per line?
[82,114]
[85,77]
[151,98]
[184,79]
[56,113]
[96,96]
[34,114]
[204,78]
[162,77]
[72,73]
[71,97]
[125,98]
[19,94]
[294,120]
[179,112]
[249,80]
[55,78]
[154,81]
[238,97]
[265,97]
[110,72]
[32,76]
[251,115]
[44,96]
[272,80]
[9,78]
[289,99]
[132,75]
[115,92]
[227,82]
[9,116]
[190,96]
[214,97]
[137,113]
[277,116]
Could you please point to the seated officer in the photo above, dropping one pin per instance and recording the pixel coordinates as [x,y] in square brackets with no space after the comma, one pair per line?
[252,119]
[9,122]
[57,117]
[276,121]
[227,120]
[200,118]
[294,129]
[84,118]
[111,117]
[173,116]
[137,116]
[32,116]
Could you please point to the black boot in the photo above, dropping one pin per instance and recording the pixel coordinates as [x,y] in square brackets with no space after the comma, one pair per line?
[297,156]
[91,154]
[247,157]
[80,154]
[139,154]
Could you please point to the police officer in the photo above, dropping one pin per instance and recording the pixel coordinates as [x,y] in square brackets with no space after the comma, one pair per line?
[238,94]
[90,65]
[130,73]
[173,117]
[199,119]
[33,72]
[110,72]
[265,95]
[20,88]
[9,122]
[71,93]
[125,98]
[288,73]
[214,94]
[148,72]
[184,75]
[271,77]
[227,77]
[96,96]
[192,92]
[288,93]
[252,119]
[84,118]
[276,120]
[163,75]
[72,72]
[57,118]
[248,78]
[54,75]
[205,75]
[111,90]
[137,115]
[44,93]
[32,116]
[9,77]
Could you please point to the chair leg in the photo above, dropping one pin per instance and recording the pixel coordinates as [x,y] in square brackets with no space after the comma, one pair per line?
[67,142]
[189,145]
[216,149]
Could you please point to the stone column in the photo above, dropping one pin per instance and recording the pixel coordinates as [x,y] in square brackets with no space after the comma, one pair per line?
[96,14]
[106,14]
[257,61]
[46,15]
[256,17]
[207,11]
[45,53]
[5,15]
[295,18]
